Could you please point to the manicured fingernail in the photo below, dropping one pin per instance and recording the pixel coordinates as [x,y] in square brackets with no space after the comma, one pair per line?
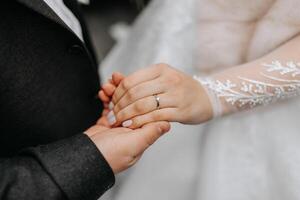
[112,121]
[127,123]
[110,114]
[111,105]
[111,118]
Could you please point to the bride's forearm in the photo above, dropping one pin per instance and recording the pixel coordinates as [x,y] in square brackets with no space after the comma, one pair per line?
[274,77]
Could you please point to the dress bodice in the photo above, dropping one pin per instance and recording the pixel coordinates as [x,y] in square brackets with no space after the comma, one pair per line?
[233,32]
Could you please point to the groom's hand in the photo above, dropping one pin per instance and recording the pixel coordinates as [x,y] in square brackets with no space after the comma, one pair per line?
[105,95]
[108,88]
[123,147]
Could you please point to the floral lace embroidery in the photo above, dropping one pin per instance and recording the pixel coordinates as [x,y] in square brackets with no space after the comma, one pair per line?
[252,93]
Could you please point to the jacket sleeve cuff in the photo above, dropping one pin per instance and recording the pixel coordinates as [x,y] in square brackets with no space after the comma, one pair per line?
[77,166]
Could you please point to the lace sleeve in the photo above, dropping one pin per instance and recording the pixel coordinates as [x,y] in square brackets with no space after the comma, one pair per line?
[249,86]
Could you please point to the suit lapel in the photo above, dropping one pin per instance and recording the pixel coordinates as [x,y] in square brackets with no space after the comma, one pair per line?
[42,8]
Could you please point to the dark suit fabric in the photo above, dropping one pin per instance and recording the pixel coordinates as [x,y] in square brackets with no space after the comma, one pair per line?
[48,97]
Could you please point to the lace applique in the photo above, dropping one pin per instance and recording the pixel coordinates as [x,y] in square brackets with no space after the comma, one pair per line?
[250,92]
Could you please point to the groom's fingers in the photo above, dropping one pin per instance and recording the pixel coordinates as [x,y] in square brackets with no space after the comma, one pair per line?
[143,106]
[134,79]
[103,96]
[117,78]
[166,114]
[140,91]
[109,89]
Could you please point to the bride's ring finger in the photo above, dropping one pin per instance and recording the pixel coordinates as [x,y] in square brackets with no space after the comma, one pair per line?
[139,92]
[143,106]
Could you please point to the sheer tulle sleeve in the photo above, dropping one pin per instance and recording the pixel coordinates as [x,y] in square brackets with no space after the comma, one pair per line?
[249,86]
[272,78]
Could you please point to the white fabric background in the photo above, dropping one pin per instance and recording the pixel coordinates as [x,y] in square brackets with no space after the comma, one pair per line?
[250,155]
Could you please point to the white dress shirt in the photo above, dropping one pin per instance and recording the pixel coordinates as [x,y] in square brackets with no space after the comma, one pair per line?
[66,15]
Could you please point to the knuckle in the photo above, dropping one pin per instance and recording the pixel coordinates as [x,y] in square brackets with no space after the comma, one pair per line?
[117,108]
[130,95]
[114,99]
[167,80]
[138,107]
[156,116]
[136,122]
[162,66]
[120,116]
[172,79]
[137,90]
[158,68]
[164,116]
[126,84]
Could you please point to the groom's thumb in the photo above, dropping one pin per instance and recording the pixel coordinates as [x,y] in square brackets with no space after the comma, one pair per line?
[151,132]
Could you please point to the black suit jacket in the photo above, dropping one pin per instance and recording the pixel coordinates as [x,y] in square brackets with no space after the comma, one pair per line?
[48,97]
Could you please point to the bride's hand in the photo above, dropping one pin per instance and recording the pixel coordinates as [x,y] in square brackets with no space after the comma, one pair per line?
[181,98]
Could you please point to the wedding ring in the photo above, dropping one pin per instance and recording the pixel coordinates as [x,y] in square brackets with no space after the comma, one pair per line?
[157,99]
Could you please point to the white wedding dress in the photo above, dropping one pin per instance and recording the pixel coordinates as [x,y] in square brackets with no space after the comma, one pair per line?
[248,155]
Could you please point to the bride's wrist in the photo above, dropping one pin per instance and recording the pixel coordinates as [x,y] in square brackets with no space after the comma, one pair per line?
[210,102]
[205,105]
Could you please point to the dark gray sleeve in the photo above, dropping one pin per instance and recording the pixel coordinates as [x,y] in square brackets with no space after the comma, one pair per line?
[69,169]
